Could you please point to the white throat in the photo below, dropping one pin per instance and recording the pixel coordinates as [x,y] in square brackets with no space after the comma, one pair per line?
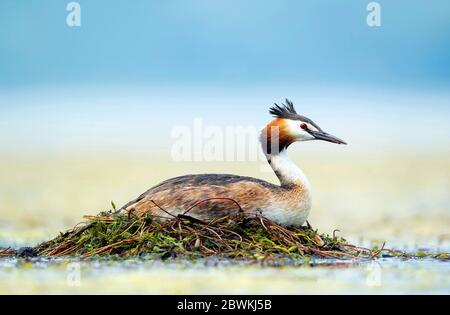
[287,172]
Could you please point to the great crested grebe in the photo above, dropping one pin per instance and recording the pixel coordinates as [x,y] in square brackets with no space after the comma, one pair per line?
[210,196]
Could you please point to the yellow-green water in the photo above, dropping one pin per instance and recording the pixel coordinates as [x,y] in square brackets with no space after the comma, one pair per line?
[71,276]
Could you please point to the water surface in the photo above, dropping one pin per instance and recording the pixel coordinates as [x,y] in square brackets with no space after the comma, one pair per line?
[213,276]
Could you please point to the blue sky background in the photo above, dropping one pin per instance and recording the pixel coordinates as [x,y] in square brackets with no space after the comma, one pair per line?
[225,42]
[147,64]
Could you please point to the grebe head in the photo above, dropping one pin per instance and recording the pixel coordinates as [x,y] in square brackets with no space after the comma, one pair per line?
[289,127]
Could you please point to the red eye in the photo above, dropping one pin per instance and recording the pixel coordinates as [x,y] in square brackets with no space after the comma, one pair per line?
[304,126]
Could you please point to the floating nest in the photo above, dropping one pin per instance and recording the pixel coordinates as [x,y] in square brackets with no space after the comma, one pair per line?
[110,234]
[113,235]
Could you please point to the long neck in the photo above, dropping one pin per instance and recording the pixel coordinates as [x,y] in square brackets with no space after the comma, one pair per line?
[289,174]
[275,139]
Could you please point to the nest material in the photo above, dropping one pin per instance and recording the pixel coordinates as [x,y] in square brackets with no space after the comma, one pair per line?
[109,234]
[7,252]
[112,235]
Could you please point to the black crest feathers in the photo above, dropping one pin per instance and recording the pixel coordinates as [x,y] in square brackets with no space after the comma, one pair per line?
[284,111]
[287,111]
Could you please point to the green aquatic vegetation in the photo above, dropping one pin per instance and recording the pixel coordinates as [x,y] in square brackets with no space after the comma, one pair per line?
[110,234]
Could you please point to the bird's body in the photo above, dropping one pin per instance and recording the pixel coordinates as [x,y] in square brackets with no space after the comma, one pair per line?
[286,204]
[211,196]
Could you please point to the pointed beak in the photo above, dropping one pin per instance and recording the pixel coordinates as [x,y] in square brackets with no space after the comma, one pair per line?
[320,135]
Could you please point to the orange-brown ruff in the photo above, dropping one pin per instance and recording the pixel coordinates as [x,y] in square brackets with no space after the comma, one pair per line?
[288,203]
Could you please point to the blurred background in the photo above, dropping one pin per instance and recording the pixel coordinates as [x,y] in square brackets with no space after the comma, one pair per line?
[87,113]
